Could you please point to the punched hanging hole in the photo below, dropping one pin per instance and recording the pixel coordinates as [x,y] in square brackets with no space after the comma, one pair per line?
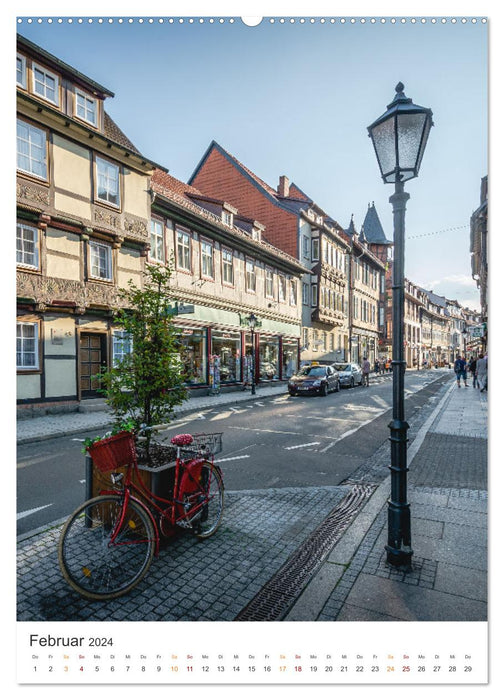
[252,21]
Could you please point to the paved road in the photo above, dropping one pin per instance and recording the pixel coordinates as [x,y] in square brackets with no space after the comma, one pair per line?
[282,442]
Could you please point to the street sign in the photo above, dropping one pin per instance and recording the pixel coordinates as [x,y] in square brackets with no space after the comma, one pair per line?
[476,331]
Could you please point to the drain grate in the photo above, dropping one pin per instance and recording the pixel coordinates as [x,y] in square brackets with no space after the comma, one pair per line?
[276,597]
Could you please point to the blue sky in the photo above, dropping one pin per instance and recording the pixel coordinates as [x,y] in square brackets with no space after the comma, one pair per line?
[295,99]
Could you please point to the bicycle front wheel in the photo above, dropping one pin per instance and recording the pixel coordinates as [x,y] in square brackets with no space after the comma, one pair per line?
[210,494]
[105,550]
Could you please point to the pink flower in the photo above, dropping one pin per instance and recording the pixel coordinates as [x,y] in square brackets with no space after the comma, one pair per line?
[181,440]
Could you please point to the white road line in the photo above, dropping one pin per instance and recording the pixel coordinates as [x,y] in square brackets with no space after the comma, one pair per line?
[230,459]
[306,444]
[77,439]
[26,513]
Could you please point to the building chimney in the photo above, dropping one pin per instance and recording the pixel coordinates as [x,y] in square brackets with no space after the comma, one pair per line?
[283,186]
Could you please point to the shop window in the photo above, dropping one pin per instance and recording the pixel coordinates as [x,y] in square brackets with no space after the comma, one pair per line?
[226,345]
[290,357]
[193,355]
[268,358]
[27,350]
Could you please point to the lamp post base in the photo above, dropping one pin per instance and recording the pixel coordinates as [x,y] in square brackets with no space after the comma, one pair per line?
[399,558]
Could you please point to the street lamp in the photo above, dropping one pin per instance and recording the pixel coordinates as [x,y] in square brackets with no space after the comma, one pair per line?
[399,138]
[252,321]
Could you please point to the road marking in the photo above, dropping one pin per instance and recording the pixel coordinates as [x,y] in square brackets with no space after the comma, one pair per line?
[26,513]
[306,444]
[230,459]
[77,439]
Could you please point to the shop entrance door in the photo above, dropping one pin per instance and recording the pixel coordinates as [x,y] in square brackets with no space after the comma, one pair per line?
[93,360]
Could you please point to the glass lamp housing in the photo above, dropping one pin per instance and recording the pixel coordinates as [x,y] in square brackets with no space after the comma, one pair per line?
[399,138]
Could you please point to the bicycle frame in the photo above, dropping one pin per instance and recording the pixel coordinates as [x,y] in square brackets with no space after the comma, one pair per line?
[130,491]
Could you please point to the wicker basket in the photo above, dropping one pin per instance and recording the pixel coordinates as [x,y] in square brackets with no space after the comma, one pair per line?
[203,445]
[113,452]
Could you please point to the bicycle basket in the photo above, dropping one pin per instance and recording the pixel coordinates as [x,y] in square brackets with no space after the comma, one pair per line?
[204,445]
[113,452]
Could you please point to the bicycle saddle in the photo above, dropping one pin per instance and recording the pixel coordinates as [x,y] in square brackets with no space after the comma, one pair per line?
[181,440]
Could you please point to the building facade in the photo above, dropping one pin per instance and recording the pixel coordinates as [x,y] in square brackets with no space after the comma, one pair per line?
[83,212]
[224,271]
[479,255]
[366,281]
[297,226]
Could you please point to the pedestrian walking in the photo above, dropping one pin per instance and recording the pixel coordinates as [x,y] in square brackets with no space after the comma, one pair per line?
[481,372]
[472,370]
[376,366]
[460,370]
[366,369]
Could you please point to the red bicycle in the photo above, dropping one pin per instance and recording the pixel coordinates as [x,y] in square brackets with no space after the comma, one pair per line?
[107,545]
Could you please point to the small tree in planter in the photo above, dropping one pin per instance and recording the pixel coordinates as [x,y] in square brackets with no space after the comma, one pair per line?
[144,386]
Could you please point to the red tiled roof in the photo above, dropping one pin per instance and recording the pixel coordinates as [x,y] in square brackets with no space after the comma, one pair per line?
[161,180]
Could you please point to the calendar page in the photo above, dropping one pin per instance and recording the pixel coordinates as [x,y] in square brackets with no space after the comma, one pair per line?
[252,348]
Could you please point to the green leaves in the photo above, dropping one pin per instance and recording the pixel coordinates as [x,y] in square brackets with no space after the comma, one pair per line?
[145,385]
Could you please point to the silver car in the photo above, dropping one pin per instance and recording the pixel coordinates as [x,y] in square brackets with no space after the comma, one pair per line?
[350,373]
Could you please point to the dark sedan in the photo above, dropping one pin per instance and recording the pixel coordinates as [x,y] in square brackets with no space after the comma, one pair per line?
[316,379]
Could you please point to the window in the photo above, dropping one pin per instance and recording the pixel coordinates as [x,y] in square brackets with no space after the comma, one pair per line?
[227,267]
[306,246]
[183,250]
[31,150]
[315,247]
[45,84]
[314,294]
[122,346]
[27,346]
[86,107]
[27,246]
[268,289]
[207,261]
[100,263]
[305,338]
[227,217]
[250,276]
[157,252]
[293,292]
[21,70]
[282,288]
[108,181]
[306,293]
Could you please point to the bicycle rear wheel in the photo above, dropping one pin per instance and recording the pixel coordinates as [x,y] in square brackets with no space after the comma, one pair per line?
[94,565]
[210,493]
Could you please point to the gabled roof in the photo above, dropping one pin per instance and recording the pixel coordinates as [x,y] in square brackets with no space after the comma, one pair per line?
[27,45]
[372,229]
[114,133]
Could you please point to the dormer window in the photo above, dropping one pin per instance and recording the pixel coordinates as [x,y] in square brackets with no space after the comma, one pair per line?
[45,84]
[86,107]
[227,217]
[21,71]
[256,234]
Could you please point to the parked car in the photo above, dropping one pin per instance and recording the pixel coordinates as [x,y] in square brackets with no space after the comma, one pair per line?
[314,378]
[350,374]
